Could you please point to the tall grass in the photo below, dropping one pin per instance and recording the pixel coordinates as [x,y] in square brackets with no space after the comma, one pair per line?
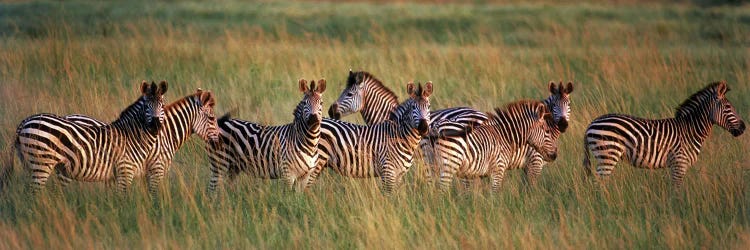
[82,57]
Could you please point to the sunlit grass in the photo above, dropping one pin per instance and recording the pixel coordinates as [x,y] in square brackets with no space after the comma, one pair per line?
[643,60]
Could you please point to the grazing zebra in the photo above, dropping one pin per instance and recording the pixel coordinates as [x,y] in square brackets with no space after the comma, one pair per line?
[191,114]
[382,150]
[47,142]
[673,142]
[288,152]
[374,101]
[503,142]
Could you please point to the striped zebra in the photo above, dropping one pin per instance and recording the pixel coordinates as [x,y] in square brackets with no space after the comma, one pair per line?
[673,142]
[191,114]
[47,143]
[288,151]
[503,142]
[382,150]
[374,101]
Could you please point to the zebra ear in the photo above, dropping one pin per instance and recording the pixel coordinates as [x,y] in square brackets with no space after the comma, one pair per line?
[722,88]
[410,89]
[302,85]
[144,87]
[552,88]
[162,87]
[321,86]
[427,89]
[207,99]
[569,88]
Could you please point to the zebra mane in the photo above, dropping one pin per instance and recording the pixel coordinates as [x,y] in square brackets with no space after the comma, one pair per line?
[225,118]
[132,111]
[370,80]
[515,108]
[697,100]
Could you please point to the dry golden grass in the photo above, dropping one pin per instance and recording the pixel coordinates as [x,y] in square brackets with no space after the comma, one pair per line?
[625,59]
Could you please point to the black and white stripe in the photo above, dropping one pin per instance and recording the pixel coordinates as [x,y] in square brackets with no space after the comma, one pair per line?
[374,101]
[288,152]
[47,143]
[673,143]
[191,114]
[503,142]
[382,150]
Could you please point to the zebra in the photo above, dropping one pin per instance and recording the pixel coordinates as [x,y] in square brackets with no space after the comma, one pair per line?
[382,150]
[673,142]
[288,151]
[47,142]
[503,142]
[191,114]
[374,101]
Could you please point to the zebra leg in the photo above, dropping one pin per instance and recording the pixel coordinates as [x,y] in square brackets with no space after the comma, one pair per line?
[218,172]
[287,176]
[466,183]
[155,175]
[64,180]
[678,167]
[313,174]
[497,178]
[607,158]
[533,169]
[447,172]
[39,175]
[124,174]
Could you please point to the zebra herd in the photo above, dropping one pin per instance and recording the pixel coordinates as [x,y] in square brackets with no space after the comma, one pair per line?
[458,142]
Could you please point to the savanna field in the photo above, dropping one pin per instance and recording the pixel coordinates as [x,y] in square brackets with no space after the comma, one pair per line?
[637,58]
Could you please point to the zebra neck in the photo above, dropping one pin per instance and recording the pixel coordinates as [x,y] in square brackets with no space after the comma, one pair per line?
[179,123]
[129,124]
[696,129]
[305,132]
[378,103]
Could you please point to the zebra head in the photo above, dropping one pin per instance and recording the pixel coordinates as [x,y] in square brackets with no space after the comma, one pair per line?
[153,103]
[351,99]
[418,107]
[310,109]
[724,114]
[205,124]
[541,135]
[559,103]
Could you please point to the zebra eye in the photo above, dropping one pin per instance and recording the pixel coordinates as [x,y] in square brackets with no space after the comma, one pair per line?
[350,94]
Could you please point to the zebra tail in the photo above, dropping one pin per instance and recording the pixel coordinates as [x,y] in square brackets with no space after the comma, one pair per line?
[586,158]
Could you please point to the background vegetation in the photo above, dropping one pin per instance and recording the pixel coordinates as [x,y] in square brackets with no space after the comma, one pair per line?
[624,56]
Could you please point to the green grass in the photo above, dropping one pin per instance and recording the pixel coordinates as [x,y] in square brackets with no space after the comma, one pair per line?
[89,57]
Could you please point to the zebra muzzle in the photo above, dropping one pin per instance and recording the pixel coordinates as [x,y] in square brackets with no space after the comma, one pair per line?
[738,131]
[333,111]
[424,127]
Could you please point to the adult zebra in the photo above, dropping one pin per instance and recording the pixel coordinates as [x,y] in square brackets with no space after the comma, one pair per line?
[375,102]
[288,151]
[367,95]
[47,142]
[191,114]
[673,142]
[503,142]
[382,150]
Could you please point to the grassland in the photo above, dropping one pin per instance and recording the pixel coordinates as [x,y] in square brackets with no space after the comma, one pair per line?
[641,59]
